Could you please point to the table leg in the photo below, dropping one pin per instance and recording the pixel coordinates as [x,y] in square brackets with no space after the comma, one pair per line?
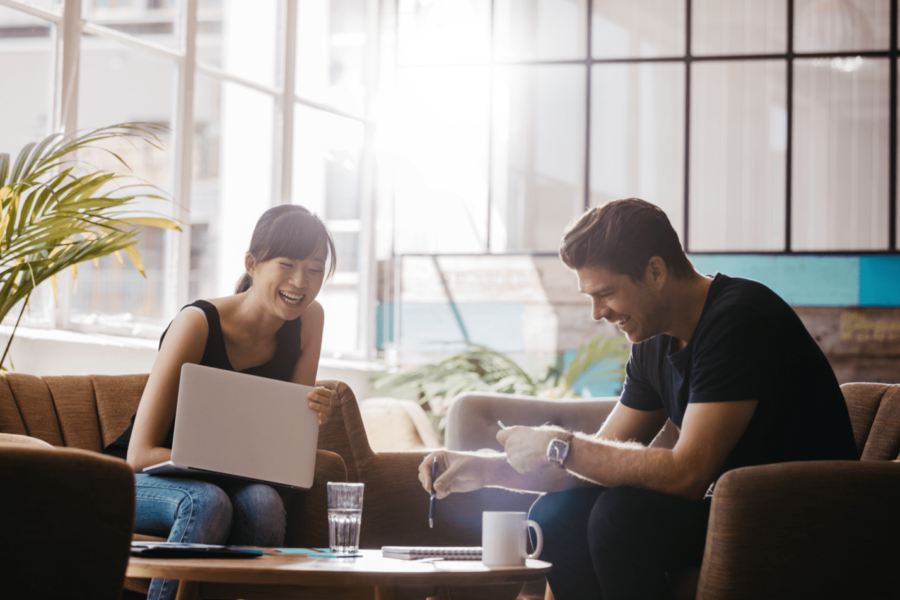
[188,590]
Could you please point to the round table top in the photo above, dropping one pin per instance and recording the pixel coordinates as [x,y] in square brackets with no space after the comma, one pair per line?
[369,569]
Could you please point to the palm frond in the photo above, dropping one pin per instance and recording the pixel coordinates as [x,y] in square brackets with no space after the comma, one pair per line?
[601,349]
[53,215]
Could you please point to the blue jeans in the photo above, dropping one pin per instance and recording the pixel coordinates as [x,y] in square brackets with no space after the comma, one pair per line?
[225,512]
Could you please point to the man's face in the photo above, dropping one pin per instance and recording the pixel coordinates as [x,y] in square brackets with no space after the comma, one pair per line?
[636,308]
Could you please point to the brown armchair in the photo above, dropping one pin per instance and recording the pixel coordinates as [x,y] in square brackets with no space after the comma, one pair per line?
[794,530]
[66,518]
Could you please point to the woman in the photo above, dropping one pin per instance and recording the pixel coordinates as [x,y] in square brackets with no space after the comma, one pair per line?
[257,331]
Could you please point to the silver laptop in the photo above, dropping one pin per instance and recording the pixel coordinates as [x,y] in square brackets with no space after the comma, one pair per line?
[244,426]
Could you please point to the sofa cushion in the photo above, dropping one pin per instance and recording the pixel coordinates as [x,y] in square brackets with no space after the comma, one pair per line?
[394,425]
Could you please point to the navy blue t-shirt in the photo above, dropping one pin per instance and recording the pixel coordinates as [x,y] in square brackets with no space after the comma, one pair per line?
[748,345]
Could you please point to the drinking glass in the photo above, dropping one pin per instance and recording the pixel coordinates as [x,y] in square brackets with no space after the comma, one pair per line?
[344,516]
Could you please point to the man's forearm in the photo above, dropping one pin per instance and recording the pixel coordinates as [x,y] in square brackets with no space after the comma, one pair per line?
[612,463]
[548,479]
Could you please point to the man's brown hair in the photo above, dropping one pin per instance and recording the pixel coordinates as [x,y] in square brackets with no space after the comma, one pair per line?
[622,236]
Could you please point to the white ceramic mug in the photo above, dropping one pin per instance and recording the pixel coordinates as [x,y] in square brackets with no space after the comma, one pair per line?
[503,538]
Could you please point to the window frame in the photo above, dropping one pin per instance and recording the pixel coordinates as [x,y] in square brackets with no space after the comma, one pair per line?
[68,28]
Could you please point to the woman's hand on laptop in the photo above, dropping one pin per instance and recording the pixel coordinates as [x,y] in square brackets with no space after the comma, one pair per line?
[320,401]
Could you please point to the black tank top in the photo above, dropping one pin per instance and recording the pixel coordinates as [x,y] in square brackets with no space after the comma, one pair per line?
[281,366]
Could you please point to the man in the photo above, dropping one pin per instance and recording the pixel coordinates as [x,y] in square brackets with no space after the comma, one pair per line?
[726,359]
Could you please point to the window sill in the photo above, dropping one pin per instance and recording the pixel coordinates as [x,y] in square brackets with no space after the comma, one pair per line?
[75,337]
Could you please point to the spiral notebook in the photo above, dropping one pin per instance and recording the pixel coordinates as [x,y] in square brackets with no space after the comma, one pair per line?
[441,552]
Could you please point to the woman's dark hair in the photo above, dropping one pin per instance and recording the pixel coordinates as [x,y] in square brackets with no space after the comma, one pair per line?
[622,236]
[290,231]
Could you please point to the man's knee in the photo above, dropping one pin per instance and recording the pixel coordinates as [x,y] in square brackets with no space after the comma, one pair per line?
[559,509]
[629,517]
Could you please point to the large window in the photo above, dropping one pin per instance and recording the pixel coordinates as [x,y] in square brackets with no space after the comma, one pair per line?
[758,125]
[265,102]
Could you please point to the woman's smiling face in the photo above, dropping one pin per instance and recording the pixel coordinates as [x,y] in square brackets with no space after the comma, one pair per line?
[287,285]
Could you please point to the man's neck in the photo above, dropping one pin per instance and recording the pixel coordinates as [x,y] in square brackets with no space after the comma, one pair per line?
[688,299]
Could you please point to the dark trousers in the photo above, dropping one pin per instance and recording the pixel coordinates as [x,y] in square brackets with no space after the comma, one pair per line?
[616,543]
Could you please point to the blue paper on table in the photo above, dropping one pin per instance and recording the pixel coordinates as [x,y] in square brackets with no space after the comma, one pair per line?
[316,552]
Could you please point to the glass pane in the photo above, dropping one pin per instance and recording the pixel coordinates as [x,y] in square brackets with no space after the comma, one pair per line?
[331,52]
[637,135]
[52,5]
[840,155]
[738,144]
[444,31]
[538,155]
[26,58]
[149,20]
[721,27]
[327,164]
[328,161]
[232,183]
[841,25]
[111,91]
[638,28]
[540,29]
[435,139]
[241,39]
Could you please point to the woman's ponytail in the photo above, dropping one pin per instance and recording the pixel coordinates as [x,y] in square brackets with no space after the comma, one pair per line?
[243,283]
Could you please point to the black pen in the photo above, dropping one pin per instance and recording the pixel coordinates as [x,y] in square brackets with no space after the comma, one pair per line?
[434,474]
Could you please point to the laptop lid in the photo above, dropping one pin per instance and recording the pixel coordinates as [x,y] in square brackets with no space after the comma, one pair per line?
[245,425]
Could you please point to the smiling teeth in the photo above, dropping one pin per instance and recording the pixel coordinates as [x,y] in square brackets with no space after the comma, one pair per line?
[290,299]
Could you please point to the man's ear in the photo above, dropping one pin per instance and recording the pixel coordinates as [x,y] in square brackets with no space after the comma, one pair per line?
[249,264]
[657,272]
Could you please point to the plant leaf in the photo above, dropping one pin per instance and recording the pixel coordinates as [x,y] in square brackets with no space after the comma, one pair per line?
[135,257]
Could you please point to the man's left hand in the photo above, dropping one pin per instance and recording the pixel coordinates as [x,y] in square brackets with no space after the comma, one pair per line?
[526,447]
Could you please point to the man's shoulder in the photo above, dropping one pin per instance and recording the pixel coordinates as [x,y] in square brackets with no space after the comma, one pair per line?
[739,297]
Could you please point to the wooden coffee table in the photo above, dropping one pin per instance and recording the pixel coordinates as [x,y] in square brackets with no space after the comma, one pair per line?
[280,576]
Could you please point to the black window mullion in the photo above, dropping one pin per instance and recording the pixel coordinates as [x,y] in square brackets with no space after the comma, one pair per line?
[587,107]
[490,132]
[789,100]
[687,129]
[892,135]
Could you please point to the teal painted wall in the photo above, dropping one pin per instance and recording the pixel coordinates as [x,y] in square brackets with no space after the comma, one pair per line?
[800,280]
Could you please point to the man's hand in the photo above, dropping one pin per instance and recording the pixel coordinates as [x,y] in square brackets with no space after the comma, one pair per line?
[459,472]
[526,447]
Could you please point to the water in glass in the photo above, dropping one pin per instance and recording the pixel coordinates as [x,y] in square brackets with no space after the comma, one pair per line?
[344,516]
[343,529]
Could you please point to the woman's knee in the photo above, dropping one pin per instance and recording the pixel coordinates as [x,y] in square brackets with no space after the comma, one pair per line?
[208,513]
[259,516]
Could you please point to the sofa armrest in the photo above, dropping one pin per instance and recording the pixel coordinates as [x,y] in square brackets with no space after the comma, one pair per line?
[307,510]
[804,530]
[13,439]
[395,507]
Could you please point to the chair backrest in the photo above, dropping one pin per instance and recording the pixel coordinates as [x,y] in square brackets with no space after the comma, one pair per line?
[87,412]
[875,414]
[472,418]
[67,521]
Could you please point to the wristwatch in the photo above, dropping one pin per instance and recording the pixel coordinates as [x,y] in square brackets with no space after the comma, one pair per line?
[558,449]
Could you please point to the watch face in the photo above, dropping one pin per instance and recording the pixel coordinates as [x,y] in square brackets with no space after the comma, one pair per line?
[557,451]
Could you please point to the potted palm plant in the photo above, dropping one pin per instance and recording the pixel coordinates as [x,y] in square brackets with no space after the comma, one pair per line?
[479,368]
[55,213]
